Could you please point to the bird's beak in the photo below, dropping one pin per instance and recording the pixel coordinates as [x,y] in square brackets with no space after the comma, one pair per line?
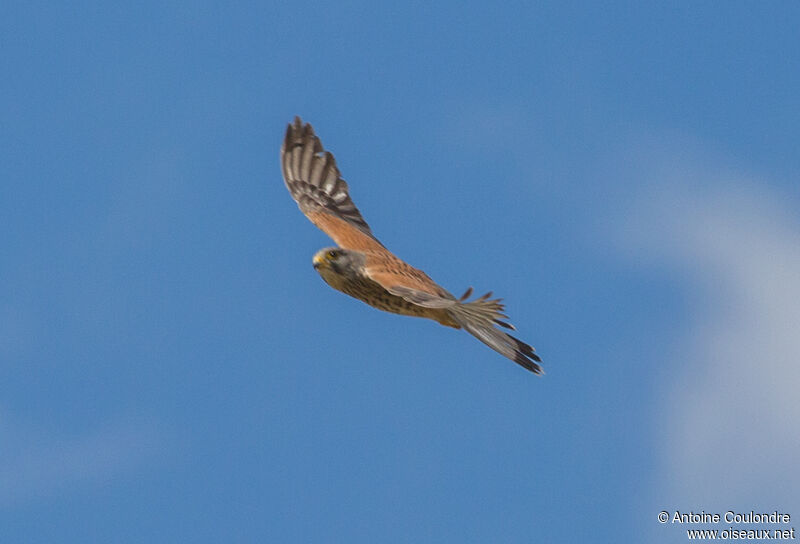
[317,261]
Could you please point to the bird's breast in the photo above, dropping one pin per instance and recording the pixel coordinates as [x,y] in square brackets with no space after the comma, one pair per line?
[376,296]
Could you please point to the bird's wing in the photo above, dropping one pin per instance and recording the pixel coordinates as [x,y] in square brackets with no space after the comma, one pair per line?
[421,298]
[403,280]
[311,175]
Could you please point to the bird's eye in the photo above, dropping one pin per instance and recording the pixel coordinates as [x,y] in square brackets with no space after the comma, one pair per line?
[331,254]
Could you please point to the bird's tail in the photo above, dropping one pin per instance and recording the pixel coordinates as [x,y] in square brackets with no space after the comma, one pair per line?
[479,317]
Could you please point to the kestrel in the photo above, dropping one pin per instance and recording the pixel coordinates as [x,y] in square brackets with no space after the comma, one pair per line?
[364,269]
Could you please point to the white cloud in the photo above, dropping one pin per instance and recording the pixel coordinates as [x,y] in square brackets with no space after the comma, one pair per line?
[727,426]
[36,464]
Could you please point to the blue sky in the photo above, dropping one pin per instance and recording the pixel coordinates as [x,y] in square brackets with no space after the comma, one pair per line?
[173,369]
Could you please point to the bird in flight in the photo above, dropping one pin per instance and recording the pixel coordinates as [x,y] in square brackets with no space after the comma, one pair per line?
[364,269]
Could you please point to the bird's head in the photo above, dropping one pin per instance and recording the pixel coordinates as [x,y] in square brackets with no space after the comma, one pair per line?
[335,261]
